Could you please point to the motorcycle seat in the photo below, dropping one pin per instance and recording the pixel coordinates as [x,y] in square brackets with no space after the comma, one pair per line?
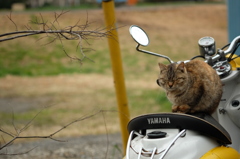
[200,122]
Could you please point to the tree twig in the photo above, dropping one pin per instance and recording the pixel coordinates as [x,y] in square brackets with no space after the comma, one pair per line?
[50,136]
[52,30]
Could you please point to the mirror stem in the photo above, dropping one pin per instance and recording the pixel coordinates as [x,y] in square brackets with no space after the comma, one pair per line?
[152,53]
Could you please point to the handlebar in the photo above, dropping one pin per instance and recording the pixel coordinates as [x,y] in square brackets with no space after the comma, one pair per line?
[152,53]
[233,45]
[208,44]
[230,49]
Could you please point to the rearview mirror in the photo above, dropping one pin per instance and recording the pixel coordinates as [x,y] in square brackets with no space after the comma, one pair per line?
[139,35]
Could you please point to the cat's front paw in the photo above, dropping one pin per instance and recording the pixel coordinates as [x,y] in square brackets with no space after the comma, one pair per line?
[174,109]
[181,109]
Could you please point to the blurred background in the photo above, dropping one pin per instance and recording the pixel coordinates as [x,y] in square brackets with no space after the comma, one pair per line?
[26,4]
[36,74]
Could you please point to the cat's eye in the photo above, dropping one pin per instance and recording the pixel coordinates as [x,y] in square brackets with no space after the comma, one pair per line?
[161,81]
[163,71]
[180,79]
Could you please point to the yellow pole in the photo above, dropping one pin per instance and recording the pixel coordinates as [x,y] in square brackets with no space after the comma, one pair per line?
[113,42]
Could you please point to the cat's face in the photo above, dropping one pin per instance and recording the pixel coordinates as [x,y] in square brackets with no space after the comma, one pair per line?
[173,77]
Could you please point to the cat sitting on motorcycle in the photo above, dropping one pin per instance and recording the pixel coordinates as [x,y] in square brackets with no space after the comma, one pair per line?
[191,87]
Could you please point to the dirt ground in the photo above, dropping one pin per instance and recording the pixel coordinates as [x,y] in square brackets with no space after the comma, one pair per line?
[86,147]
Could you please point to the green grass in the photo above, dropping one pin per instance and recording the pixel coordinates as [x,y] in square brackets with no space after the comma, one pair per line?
[140,102]
[24,60]
[152,101]
[43,118]
[18,57]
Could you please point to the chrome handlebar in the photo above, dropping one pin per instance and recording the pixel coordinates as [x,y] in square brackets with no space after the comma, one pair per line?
[233,45]
[230,49]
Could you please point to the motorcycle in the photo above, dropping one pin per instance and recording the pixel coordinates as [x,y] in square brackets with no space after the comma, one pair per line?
[185,136]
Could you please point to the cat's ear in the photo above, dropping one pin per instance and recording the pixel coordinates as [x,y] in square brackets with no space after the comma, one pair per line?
[181,67]
[162,66]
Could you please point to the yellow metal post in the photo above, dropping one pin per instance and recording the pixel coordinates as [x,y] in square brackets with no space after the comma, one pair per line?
[110,20]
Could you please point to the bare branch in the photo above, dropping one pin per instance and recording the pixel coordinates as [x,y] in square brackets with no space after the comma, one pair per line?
[18,153]
[52,30]
[58,16]
[51,136]
[10,18]
[106,133]
[13,123]
[5,132]
[29,123]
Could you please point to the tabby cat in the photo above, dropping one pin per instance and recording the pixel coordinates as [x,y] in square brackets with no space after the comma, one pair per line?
[191,87]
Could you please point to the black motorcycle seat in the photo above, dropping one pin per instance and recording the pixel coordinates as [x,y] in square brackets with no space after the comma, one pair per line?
[202,123]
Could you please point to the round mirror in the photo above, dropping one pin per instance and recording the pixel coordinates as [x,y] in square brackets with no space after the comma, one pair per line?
[139,35]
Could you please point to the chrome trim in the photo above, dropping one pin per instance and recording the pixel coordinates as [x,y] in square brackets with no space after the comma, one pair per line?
[152,53]
[172,143]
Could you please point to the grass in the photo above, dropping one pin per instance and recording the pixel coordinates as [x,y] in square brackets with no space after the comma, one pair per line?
[43,76]
[152,98]
[25,64]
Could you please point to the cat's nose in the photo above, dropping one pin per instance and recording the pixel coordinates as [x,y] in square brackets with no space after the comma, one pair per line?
[170,84]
